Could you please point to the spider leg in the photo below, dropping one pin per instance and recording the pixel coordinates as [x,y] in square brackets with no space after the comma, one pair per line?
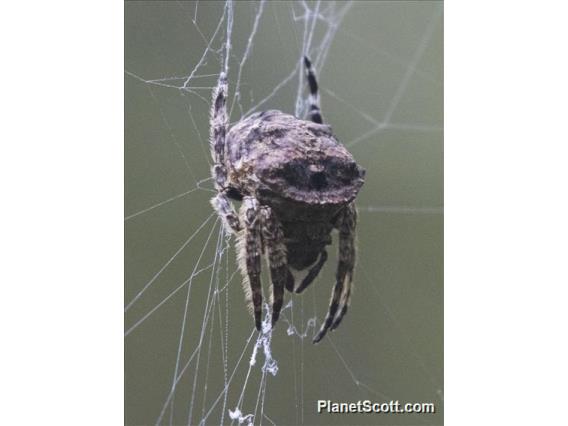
[313,273]
[343,311]
[249,251]
[223,207]
[218,130]
[290,285]
[315,110]
[281,277]
[344,277]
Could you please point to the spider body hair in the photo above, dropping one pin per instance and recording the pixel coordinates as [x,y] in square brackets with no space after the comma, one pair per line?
[297,183]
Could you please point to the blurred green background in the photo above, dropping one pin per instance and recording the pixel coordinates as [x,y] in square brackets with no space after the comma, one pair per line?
[385,62]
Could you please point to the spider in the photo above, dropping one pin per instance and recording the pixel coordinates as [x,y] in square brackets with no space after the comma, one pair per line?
[296,183]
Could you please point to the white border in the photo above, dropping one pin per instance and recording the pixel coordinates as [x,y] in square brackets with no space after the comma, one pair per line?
[506,213]
[62,216]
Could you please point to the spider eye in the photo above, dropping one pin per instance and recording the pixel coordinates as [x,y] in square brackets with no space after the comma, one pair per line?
[294,174]
[318,180]
[341,172]
[304,177]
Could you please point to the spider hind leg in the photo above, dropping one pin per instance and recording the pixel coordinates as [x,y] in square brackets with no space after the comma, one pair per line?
[341,293]
[314,101]
[313,273]
[281,277]
[249,254]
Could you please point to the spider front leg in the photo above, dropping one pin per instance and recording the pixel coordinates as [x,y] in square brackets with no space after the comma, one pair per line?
[218,131]
[341,293]
[249,249]
[281,277]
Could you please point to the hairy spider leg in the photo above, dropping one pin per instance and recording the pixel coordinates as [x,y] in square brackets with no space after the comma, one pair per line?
[344,276]
[314,101]
[249,248]
[273,238]
[313,273]
[218,131]
[343,311]
[350,223]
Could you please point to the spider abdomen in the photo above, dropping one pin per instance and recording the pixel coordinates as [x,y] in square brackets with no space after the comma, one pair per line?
[276,155]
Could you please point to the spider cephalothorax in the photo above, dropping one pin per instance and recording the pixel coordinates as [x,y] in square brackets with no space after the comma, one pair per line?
[297,183]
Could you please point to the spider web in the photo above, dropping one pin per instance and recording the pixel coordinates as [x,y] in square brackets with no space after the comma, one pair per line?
[193,355]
